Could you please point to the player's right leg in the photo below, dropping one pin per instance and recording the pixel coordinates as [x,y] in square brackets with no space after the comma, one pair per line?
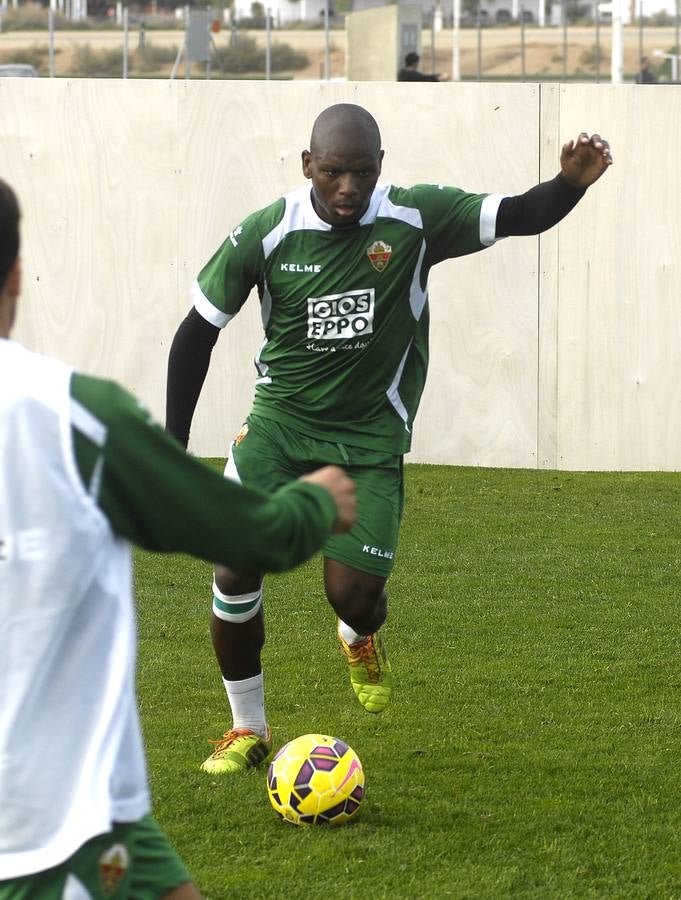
[237,622]
[238,635]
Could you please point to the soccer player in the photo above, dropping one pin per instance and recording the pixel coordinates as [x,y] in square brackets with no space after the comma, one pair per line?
[83,471]
[341,267]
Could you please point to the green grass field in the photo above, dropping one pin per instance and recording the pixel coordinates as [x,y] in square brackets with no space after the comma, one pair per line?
[533,748]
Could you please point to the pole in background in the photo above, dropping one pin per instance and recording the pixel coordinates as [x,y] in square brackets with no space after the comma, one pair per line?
[676,30]
[187,61]
[640,30]
[432,41]
[125,42]
[479,27]
[268,44]
[327,42]
[522,41]
[456,38]
[565,28]
[50,25]
[616,53]
[598,44]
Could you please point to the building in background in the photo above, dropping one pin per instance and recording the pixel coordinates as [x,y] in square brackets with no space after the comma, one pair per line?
[283,12]
[439,13]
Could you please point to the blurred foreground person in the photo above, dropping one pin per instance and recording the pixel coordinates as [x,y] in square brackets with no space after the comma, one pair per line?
[83,471]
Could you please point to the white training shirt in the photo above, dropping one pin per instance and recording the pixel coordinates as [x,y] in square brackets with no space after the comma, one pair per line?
[71,755]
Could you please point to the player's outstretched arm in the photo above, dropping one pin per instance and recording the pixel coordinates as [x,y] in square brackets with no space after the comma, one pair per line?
[583,161]
[157,496]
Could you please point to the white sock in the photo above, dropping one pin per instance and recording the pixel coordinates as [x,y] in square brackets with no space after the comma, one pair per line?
[247,700]
[348,634]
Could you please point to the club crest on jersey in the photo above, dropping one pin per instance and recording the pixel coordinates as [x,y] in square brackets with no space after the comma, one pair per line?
[379,255]
[113,864]
[241,435]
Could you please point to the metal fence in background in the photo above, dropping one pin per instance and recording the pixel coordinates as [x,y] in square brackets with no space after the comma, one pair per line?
[468,49]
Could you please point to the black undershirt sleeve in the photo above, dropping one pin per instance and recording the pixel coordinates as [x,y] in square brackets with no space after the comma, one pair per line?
[538,209]
[188,362]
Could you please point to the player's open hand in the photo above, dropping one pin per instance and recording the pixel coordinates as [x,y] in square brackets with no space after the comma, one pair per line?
[342,489]
[583,161]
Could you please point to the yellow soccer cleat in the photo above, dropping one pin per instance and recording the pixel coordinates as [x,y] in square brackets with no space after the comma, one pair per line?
[238,750]
[370,673]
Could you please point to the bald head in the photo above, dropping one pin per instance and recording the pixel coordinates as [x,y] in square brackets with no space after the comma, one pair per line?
[343,163]
[344,127]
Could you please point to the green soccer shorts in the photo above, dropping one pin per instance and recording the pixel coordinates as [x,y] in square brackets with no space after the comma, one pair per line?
[133,861]
[268,455]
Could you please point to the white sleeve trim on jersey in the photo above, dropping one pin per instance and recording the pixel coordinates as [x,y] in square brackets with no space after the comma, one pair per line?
[382,205]
[379,194]
[261,367]
[417,296]
[393,393]
[265,305]
[94,429]
[206,309]
[488,218]
[299,214]
[88,424]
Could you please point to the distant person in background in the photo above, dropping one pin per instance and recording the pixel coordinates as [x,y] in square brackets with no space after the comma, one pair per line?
[410,72]
[645,75]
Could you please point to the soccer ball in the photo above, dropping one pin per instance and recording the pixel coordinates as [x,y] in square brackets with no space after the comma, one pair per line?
[316,780]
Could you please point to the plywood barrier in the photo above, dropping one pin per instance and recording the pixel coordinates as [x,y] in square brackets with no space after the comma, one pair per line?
[557,352]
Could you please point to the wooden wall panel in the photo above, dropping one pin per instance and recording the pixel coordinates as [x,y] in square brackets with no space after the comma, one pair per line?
[551,141]
[93,165]
[479,406]
[619,332]
[554,352]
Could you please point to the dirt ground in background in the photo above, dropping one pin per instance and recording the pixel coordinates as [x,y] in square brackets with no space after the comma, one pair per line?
[500,49]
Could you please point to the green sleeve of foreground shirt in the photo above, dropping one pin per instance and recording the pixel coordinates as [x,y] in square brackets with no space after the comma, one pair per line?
[158,497]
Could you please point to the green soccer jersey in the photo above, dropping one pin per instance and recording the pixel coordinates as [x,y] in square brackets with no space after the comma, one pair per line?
[345,310]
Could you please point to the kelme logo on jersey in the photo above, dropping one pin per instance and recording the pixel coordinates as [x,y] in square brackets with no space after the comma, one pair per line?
[379,255]
[346,315]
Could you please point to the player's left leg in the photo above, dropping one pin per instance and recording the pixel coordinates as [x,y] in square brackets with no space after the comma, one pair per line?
[361,604]
[356,568]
